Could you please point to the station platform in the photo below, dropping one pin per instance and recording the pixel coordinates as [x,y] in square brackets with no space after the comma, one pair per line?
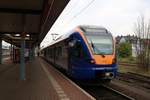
[43,82]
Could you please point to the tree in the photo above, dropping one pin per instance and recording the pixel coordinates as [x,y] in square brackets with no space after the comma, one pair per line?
[142,31]
[124,49]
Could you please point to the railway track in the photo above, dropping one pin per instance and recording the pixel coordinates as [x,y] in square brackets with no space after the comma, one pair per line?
[137,79]
[103,92]
[127,64]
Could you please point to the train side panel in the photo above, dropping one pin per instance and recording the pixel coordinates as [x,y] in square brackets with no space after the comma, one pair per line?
[61,55]
[57,54]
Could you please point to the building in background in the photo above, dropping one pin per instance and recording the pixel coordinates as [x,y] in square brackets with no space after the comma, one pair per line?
[133,40]
[6,50]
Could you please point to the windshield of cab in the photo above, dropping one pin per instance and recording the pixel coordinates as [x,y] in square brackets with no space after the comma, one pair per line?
[100,43]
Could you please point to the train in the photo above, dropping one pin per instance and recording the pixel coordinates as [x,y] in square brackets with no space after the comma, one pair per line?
[85,53]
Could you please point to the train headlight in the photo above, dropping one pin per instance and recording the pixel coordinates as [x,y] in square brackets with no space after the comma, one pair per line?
[92,61]
[107,74]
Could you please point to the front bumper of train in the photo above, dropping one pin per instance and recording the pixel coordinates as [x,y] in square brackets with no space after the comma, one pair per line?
[93,73]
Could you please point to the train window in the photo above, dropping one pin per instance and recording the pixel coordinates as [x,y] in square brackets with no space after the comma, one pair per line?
[72,43]
[51,53]
[82,53]
[77,50]
[100,44]
[60,51]
[48,52]
[57,53]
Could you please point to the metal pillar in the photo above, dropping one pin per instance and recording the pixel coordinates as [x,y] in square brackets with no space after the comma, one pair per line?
[33,52]
[0,50]
[22,60]
[11,54]
[30,52]
[38,51]
[30,55]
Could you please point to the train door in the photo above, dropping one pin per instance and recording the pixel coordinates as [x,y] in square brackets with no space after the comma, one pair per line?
[77,55]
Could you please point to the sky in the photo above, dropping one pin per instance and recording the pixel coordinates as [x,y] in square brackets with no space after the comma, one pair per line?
[118,16]
[5,43]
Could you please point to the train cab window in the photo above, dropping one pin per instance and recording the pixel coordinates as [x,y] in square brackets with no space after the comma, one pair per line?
[100,43]
[77,50]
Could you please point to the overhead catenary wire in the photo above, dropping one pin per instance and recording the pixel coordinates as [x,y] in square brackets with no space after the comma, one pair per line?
[81,11]
[51,5]
[76,15]
[73,7]
[54,35]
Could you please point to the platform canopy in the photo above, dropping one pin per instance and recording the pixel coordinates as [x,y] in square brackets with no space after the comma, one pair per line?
[32,17]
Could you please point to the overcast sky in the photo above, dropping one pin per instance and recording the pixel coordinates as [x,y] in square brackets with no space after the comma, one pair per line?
[118,16]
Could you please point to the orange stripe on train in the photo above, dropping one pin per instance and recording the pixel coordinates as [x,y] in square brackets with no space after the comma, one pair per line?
[103,59]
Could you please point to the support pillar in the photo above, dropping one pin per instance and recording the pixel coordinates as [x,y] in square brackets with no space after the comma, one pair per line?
[0,49]
[38,51]
[11,52]
[22,59]
[30,55]
[30,52]
[33,52]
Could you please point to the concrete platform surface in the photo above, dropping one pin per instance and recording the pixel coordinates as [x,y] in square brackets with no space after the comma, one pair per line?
[43,82]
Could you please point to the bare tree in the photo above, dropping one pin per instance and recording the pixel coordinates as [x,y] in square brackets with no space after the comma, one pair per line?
[142,31]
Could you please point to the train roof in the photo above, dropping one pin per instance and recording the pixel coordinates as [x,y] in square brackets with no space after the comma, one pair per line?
[98,29]
[60,38]
[84,28]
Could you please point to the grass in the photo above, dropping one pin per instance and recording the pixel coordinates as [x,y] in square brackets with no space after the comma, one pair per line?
[127,60]
[133,69]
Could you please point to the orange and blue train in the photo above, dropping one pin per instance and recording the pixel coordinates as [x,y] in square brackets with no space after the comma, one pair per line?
[85,53]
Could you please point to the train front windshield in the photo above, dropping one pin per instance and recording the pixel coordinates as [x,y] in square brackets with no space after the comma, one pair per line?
[100,43]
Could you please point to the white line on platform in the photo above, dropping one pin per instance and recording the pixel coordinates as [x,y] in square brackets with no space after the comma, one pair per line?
[87,94]
[55,84]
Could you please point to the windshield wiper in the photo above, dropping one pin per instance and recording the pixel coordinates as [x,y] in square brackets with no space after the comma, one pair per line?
[92,45]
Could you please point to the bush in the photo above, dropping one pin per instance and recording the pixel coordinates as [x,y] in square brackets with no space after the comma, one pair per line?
[124,49]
